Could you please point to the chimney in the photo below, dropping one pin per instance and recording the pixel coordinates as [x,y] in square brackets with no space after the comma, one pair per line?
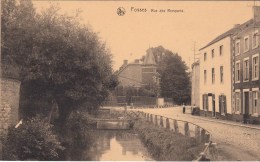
[137,61]
[256,13]
[125,62]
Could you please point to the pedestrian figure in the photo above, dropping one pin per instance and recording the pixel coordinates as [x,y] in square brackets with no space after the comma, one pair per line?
[183,108]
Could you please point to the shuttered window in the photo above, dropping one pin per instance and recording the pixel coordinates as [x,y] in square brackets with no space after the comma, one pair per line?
[222,104]
[237,101]
[251,103]
[205,102]
[255,102]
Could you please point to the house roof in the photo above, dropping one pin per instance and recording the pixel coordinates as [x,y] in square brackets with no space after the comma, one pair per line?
[229,33]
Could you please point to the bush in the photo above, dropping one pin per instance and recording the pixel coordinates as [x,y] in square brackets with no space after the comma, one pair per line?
[165,145]
[33,140]
[79,127]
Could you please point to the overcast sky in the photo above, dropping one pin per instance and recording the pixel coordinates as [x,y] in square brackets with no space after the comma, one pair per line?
[130,35]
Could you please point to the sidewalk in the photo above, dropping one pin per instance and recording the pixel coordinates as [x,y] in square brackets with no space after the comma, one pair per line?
[228,122]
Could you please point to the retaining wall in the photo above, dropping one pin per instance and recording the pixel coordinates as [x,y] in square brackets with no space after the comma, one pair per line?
[9,107]
[185,128]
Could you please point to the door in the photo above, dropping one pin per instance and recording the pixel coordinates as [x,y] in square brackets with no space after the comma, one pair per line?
[210,103]
[246,104]
[213,106]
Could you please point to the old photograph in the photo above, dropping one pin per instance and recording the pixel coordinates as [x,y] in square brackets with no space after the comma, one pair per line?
[122,80]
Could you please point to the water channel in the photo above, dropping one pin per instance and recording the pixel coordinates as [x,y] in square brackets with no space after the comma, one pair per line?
[113,145]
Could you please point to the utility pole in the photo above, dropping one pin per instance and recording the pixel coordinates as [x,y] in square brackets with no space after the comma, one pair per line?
[194,50]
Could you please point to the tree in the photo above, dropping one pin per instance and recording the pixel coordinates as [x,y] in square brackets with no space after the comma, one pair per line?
[61,59]
[175,81]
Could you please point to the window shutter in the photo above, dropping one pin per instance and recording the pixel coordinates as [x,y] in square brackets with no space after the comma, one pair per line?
[207,102]
[258,103]
[219,103]
[250,102]
[240,105]
[233,102]
[225,104]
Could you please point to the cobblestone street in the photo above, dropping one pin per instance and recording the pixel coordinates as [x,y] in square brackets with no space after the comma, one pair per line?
[234,140]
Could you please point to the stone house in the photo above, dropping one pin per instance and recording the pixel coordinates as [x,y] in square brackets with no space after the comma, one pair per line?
[215,76]
[139,73]
[246,70]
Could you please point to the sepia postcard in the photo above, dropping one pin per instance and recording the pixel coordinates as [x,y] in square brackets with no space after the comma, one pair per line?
[85,80]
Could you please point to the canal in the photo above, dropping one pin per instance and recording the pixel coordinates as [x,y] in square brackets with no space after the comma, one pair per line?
[113,145]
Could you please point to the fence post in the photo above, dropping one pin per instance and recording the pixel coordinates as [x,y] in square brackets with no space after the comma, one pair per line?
[151,118]
[147,117]
[176,128]
[203,135]
[168,124]
[156,120]
[197,132]
[161,121]
[186,129]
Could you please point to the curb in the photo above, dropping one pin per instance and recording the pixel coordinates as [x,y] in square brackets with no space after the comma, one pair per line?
[227,123]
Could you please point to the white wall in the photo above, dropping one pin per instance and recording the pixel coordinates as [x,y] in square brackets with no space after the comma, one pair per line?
[217,88]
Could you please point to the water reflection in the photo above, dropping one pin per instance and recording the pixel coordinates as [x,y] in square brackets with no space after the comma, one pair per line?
[116,145]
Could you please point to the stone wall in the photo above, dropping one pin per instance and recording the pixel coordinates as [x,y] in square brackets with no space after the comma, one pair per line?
[9,107]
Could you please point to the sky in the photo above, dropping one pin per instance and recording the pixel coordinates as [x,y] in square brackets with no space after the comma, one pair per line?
[129,36]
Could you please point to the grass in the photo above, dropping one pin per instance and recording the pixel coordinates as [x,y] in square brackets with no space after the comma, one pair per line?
[165,145]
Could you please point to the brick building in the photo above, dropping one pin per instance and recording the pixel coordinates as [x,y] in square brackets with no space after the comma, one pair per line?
[246,70]
[139,73]
[230,73]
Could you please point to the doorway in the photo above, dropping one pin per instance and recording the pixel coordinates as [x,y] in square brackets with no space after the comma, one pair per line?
[246,104]
[213,106]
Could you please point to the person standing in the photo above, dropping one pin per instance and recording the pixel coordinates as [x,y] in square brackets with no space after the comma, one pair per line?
[183,108]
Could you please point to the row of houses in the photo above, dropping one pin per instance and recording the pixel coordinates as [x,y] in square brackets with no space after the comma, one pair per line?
[225,79]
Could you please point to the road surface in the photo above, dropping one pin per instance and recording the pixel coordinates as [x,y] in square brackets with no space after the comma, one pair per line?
[233,142]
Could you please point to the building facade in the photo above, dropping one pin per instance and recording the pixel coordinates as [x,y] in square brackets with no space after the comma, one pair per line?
[246,71]
[139,73]
[215,76]
[195,87]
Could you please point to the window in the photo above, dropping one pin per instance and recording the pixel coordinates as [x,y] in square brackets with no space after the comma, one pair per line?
[237,100]
[255,67]
[237,73]
[255,39]
[222,104]
[212,53]
[221,50]
[205,102]
[205,56]
[246,70]
[221,74]
[237,48]
[255,98]
[246,44]
[213,75]
[205,76]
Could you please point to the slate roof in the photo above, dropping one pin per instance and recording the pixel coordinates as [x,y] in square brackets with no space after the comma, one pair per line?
[230,32]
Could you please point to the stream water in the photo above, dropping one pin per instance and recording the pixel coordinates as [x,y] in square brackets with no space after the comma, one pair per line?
[113,145]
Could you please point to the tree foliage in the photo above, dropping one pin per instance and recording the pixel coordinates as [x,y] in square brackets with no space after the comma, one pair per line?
[33,140]
[58,57]
[175,81]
